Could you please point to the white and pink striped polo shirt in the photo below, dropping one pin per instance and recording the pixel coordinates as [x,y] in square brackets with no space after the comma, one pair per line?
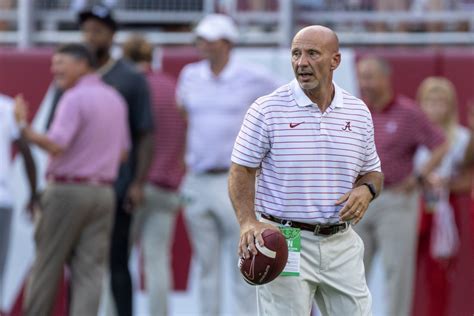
[307,159]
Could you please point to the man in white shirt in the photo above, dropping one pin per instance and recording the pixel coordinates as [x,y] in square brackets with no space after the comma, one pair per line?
[9,134]
[215,93]
[305,161]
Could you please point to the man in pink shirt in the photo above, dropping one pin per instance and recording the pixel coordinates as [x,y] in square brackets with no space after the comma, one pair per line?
[87,140]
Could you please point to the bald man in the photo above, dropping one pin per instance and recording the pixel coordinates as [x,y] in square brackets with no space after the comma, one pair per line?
[391,222]
[309,151]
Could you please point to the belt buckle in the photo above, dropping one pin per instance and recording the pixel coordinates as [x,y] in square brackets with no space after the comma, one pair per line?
[317,228]
[344,227]
[341,228]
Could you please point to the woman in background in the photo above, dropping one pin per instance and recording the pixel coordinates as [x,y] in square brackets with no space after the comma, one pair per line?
[443,243]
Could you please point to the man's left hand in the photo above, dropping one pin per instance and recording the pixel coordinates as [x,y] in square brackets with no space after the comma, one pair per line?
[357,201]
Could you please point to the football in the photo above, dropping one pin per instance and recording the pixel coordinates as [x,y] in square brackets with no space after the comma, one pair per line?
[269,261]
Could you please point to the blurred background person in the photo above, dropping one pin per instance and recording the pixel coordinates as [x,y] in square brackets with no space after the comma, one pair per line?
[390,224]
[98,28]
[463,280]
[87,141]
[154,221]
[438,242]
[469,160]
[215,94]
[10,134]
[469,155]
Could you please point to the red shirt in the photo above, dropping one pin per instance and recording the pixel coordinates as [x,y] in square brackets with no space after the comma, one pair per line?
[399,129]
[167,169]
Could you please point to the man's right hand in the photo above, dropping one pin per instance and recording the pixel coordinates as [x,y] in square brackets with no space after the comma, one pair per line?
[33,206]
[21,110]
[408,185]
[250,233]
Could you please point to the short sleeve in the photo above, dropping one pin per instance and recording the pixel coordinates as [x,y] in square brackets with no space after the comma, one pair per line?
[427,133]
[12,124]
[372,161]
[66,120]
[181,88]
[141,116]
[252,143]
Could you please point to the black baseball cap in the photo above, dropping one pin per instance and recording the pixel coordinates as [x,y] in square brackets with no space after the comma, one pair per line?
[98,12]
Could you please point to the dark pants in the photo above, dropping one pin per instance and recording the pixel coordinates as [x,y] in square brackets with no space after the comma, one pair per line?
[121,281]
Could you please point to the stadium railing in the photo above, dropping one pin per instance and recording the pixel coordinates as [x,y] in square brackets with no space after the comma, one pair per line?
[273,22]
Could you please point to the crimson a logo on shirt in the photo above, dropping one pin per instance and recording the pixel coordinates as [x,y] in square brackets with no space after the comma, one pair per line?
[347,127]
[391,127]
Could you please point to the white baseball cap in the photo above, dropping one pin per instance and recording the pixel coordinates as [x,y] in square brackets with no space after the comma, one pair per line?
[217,26]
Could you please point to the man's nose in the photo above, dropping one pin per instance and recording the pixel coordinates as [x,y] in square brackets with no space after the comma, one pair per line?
[303,60]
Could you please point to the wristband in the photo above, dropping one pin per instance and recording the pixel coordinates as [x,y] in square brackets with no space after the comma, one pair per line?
[371,189]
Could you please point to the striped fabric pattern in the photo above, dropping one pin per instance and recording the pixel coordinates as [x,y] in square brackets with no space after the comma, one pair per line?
[167,169]
[400,129]
[307,159]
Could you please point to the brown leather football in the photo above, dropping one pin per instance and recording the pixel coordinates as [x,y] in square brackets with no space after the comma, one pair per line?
[269,261]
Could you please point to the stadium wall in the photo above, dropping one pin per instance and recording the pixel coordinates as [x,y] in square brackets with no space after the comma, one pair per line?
[27,72]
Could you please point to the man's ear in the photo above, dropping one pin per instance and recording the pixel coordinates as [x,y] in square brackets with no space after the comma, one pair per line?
[85,67]
[336,60]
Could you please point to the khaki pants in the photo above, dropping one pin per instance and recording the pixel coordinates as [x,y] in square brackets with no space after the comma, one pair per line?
[390,225]
[154,225]
[332,273]
[214,234]
[74,228]
[5,224]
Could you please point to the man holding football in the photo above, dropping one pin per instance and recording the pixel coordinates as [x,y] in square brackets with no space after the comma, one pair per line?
[305,160]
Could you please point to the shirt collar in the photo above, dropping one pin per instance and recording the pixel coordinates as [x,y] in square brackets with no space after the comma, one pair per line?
[389,105]
[302,99]
[89,78]
[104,69]
[338,100]
[227,73]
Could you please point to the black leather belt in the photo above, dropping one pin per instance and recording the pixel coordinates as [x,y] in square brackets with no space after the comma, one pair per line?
[216,171]
[317,229]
